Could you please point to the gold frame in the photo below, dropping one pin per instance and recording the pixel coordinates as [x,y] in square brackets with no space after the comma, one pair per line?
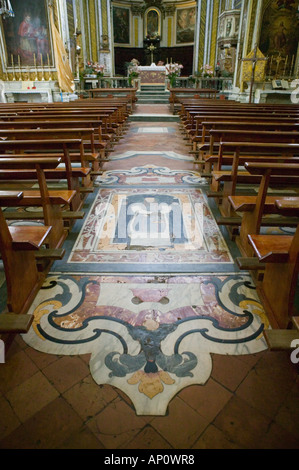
[178,11]
[146,20]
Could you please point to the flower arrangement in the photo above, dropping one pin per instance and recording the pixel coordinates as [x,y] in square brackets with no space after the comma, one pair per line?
[152,37]
[94,68]
[206,71]
[173,71]
[133,70]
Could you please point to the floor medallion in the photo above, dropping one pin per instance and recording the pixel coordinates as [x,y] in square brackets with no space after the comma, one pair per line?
[149,336]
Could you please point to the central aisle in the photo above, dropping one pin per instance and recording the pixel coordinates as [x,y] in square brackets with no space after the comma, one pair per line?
[148,284]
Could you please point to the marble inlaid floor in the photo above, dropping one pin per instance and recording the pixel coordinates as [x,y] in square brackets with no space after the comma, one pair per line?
[148,285]
[149,336]
[149,227]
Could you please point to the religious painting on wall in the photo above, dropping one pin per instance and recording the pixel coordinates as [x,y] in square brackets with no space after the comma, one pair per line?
[185,25]
[26,36]
[279,33]
[121,25]
[153,23]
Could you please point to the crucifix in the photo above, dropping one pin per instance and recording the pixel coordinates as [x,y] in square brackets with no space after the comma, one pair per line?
[254,59]
[151,48]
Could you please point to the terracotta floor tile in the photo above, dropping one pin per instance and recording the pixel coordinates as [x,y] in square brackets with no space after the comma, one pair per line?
[278,364]
[47,429]
[207,400]
[242,424]
[18,367]
[152,109]
[288,414]
[18,439]
[229,370]
[252,359]
[81,439]
[66,372]
[31,396]
[213,438]
[116,425]
[182,426]
[148,438]
[88,398]
[277,437]
[255,391]
[17,345]
[9,421]
[42,360]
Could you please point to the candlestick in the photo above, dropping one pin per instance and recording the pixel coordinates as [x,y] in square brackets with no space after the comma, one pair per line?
[270,66]
[285,66]
[291,66]
[41,64]
[13,68]
[50,76]
[34,60]
[278,60]
[20,71]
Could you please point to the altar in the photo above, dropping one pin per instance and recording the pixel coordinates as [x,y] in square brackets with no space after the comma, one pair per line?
[152,74]
[45,91]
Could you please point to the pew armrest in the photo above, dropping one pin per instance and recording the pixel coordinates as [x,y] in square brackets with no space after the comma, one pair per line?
[15,323]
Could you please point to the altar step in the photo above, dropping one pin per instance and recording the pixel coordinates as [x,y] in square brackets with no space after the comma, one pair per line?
[152,94]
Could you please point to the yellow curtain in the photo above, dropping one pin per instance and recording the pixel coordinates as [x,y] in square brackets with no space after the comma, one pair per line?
[64,72]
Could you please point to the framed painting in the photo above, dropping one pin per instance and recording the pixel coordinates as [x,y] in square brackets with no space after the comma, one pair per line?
[26,37]
[280,29]
[153,23]
[185,25]
[121,25]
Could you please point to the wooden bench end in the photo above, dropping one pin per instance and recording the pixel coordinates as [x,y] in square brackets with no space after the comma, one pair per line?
[15,323]
[281,340]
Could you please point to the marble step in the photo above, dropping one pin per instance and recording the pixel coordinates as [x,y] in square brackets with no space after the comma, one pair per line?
[153,87]
[152,97]
[152,101]
[153,118]
[152,94]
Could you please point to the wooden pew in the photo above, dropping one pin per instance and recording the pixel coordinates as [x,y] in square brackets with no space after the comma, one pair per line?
[130,94]
[88,149]
[18,244]
[176,94]
[240,152]
[280,253]
[245,135]
[63,147]
[195,122]
[112,119]
[51,201]
[12,322]
[253,208]
[104,142]
[109,133]
[208,153]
